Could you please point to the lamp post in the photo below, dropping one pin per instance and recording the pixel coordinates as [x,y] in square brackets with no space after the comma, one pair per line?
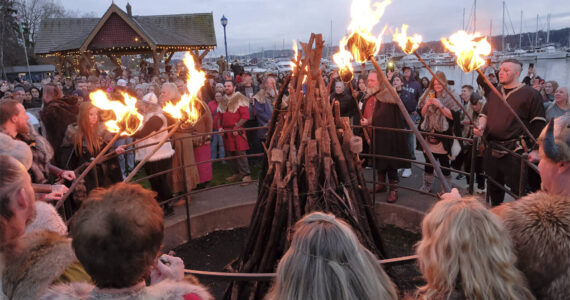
[224,21]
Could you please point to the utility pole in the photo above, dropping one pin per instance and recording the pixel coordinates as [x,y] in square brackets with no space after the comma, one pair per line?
[503,37]
[520,34]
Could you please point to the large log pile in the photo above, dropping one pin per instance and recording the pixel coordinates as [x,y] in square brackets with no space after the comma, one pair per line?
[310,167]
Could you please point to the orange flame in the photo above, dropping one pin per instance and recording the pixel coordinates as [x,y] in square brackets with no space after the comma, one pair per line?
[343,59]
[409,44]
[468,48]
[292,62]
[364,16]
[127,119]
[187,108]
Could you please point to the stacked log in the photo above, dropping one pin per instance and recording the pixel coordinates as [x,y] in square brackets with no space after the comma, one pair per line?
[312,164]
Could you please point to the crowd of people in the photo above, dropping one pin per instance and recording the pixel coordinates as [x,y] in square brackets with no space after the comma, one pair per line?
[49,134]
[472,114]
[517,250]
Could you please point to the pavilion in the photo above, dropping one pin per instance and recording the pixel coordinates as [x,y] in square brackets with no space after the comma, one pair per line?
[75,41]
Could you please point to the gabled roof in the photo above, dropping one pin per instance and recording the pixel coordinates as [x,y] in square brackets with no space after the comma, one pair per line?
[192,31]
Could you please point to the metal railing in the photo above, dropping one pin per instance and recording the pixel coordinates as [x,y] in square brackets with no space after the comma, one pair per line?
[269,276]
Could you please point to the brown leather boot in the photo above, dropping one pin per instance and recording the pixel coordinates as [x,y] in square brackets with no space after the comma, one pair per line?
[381,186]
[393,196]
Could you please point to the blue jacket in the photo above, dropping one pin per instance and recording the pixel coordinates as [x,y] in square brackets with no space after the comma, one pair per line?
[411,93]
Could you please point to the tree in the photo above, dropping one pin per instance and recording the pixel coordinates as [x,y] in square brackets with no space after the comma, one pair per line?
[10,50]
[33,12]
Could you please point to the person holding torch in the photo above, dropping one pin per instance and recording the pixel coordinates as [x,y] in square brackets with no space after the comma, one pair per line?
[499,128]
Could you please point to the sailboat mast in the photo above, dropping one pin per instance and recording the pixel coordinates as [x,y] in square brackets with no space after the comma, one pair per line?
[520,34]
[474,16]
[536,36]
[463,25]
[503,34]
[548,28]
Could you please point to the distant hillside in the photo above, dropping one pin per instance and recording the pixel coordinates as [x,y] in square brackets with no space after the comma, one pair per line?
[558,37]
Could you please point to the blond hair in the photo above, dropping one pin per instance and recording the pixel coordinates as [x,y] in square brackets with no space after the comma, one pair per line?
[326,261]
[463,243]
[13,178]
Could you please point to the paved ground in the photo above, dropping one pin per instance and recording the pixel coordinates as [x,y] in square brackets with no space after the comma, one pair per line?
[204,201]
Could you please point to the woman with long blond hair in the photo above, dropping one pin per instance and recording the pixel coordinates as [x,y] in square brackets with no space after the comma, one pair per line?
[326,261]
[465,253]
[83,141]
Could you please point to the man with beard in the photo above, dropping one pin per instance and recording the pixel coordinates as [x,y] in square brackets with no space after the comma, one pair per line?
[499,127]
[263,106]
[14,126]
[538,223]
[234,112]
[386,113]
[31,260]
[248,89]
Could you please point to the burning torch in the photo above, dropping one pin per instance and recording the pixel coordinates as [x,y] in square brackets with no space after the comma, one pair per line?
[469,48]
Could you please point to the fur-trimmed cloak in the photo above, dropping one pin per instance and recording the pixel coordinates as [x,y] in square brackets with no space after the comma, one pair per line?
[166,290]
[42,258]
[231,110]
[539,225]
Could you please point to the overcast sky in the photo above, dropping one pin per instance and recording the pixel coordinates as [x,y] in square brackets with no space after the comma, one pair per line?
[272,24]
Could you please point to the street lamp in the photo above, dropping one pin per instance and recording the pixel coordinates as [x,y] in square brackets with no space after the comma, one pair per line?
[224,21]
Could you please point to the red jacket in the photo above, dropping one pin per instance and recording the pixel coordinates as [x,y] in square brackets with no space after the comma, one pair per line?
[236,108]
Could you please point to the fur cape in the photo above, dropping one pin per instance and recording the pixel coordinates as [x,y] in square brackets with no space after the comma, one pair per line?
[56,116]
[231,104]
[539,226]
[43,257]
[166,290]
[262,97]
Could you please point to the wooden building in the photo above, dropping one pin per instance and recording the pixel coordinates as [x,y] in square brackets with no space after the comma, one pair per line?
[76,40]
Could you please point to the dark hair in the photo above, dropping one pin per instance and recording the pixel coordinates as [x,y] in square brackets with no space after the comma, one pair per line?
[117,234]
[512,60]
[467,86]
[8,109]
[233,83]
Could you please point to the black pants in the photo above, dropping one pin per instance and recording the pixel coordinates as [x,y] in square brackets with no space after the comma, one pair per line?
[391,174]
[160,184]
[479,177]
[504,170]
[443,161]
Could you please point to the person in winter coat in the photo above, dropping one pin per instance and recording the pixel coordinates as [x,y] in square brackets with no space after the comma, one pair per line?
[31,259]
[127,217]
[234,112]
[436,108]
[263,106]
[154,120]
[538,223]
[83,141]
[386,114]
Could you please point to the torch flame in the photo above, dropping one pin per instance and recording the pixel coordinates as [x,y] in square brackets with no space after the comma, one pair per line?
[187,108]
[468,48]
[292,62]
[343,60]
[409,44]
[127,119]
[364,16]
